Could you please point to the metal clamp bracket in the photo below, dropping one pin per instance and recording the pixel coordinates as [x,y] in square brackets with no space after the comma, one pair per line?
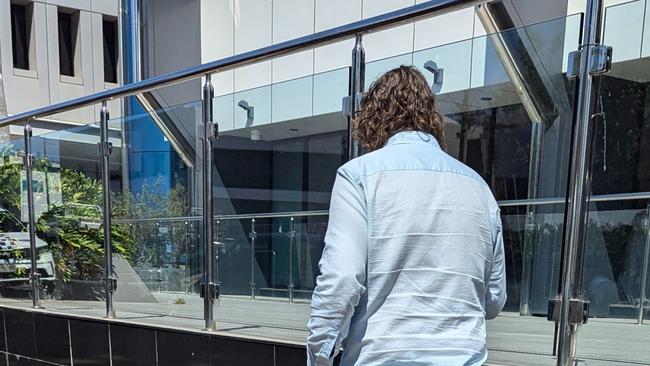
[212,130]
[211,290]
[578,310]
[110,284]
[105,148]
[347,104]
[28,160]
[600,60]
[35,278]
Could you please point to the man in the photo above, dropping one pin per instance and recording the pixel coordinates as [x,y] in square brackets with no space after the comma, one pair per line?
[413,262]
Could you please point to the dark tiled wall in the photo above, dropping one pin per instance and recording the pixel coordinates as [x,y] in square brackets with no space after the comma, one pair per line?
[28,339]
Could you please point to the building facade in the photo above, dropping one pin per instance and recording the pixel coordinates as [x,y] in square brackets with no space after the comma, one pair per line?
[503,78]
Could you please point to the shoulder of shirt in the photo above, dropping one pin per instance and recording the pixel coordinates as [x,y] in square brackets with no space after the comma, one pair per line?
[390,159]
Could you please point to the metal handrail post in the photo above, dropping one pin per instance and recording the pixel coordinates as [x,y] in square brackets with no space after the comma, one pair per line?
[209,289]
[644,270]
[253,236]
[186,273]
[356,88]
[110,282]
[34,276]
[578,191]
[292,239]
[217,243]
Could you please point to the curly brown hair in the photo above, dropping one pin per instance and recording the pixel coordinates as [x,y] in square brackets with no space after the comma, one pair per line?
[400,100]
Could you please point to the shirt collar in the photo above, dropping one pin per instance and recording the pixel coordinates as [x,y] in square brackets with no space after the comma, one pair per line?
[412,137]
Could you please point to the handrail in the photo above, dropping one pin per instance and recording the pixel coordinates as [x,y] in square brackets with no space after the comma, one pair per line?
[615,197]
[267,215]
[379,22]
[559,200]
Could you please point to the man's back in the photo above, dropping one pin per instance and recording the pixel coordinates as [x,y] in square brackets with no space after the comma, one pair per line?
[431,257]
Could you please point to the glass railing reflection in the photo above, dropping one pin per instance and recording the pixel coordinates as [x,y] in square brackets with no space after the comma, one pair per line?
[270,256]
[15,253]
[624,30]
[67,212]
[293,99]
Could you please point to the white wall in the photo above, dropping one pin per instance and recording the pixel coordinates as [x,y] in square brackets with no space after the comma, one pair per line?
[230,27]
[278,89]
[44,85]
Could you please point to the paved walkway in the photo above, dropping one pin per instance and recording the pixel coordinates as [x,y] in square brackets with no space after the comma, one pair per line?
[512,339]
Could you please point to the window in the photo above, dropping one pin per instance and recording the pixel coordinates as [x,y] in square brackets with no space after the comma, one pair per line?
[109,34]
[68,43]
[21,33]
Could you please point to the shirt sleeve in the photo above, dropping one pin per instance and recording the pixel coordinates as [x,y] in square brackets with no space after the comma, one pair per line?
[343,272]
[495,297]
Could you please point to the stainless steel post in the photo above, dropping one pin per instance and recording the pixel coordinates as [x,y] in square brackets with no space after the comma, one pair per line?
[253,236]
[110,281]
[644,270]
[209,288]
[217,243]
[357,86]
[34,276]
[292,240]
[579,188]
[186,274]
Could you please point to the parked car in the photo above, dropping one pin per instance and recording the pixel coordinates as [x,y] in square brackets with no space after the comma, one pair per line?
[15,262]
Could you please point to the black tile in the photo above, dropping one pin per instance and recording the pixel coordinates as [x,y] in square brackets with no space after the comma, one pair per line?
[19,361]
[232,352]
[289,356]
[3,345]
[183,349]
[132,346]
[22,361]
[89,343]
[20,333]
[52,339]
[4,361]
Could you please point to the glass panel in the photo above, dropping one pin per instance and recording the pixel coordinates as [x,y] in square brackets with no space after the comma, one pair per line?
[454,59]
[287,167]
[521,150]
[279,167]
[329,89]
[260,100]
[233,257]
[377,68]
[645,47]
[224,111]
[67,197]
[276,160]
[252,266]
[309,244]
[273,238]
[614,275]
[624,29]
[617,247]
[15,254]
[292,99]
[156,210]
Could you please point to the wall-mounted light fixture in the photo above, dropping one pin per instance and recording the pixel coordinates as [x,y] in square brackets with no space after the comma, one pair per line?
[250,112]
[438,75]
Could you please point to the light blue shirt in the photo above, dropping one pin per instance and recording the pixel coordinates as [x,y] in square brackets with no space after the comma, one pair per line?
[413,262]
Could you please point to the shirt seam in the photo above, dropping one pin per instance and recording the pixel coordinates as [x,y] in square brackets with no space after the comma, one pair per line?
[428,170]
